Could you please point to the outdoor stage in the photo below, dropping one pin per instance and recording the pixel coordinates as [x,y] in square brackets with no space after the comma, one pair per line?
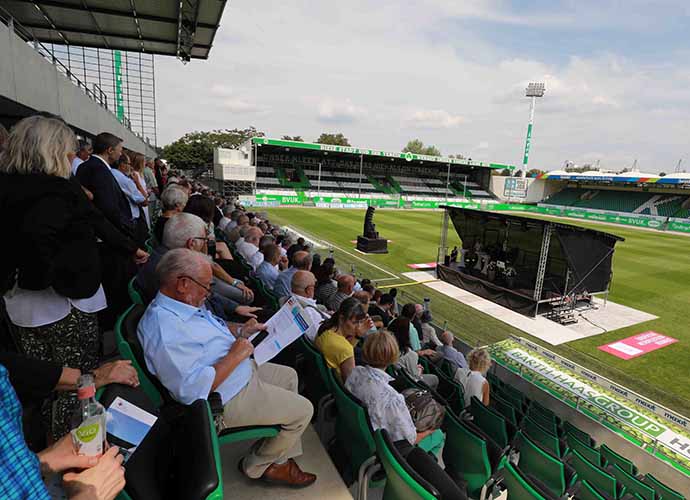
[530,266]
[604,317]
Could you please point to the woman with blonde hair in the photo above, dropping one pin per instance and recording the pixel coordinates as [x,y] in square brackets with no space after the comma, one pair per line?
[473,380]
[138,165]
[50,277]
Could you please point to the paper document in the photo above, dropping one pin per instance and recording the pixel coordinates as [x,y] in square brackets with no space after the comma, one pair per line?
[284,327]
[128,422]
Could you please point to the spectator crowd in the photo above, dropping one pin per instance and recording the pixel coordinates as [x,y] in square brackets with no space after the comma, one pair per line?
[92,222]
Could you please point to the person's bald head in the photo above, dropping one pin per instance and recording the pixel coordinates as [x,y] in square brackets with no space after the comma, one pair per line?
[346,283]
[446,338]
[185,275]
[303,284]
[253,236]
[302,260]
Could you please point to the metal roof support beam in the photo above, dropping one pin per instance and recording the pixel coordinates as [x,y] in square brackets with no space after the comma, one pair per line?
[188,22]
[114,12]
[110,35]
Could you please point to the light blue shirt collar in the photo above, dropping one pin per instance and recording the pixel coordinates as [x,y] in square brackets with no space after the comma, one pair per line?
[179,309]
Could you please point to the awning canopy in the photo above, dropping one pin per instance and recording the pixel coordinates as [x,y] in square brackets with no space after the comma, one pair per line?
[185,29]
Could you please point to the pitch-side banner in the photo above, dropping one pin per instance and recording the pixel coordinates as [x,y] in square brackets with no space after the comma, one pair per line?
[656,428]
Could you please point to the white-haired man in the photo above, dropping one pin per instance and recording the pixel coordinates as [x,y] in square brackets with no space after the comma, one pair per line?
[449,352]
[189,231]
[303,286]
[193,353]
[249,247]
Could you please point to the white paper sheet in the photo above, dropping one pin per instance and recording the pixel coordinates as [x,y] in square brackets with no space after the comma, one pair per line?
[284,327]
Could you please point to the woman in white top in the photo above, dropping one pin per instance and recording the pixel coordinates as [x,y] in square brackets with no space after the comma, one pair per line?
[474,380]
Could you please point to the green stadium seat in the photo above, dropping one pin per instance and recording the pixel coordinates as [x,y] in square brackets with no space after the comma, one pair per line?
[542,410]
[596,476]
[449,390]
[591,454]
[490,422]
[133,290]
[543,437]
[323,393]
[588,492]
[548,422]
[506,409]
[584,437]
[547,469]
[632,484]
[514,396]
[401,481]
[517,485]
[614,458]
[354,434]
[494,381]
[466,455]
[661,489]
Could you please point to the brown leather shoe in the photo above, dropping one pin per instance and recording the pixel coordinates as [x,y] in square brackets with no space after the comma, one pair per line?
[288,474]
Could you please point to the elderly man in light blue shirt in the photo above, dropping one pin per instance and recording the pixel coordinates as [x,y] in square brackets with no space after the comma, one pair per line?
[449,352]
[193,353]
[301,261]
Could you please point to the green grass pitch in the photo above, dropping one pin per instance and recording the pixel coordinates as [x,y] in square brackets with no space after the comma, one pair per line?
[651,273]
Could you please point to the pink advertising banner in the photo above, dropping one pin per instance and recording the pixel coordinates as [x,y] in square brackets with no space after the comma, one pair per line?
[637,345]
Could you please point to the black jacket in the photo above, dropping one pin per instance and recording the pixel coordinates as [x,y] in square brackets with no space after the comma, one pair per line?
[51,227]
[95,176]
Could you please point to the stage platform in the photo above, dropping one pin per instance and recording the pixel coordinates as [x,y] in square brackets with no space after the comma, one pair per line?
[592,322]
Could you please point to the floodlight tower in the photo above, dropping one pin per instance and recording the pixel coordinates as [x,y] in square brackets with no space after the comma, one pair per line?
[533,90]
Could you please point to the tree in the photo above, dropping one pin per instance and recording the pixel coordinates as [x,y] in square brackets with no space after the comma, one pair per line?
[518,173]
[535,172]
[417,147]
[334,139]
[662,174]
[295,138]
[195,149]
[506,172]
[457,157]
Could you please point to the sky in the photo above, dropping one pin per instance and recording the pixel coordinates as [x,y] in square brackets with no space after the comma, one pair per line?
[451,73]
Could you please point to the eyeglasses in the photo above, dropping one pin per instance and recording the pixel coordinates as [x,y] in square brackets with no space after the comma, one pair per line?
[207,288]
[206,239]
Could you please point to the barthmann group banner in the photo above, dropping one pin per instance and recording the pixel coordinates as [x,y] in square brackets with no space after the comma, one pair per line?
[560,372]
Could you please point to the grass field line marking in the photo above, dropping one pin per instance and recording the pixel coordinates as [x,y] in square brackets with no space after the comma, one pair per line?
[329,244]
[400,285]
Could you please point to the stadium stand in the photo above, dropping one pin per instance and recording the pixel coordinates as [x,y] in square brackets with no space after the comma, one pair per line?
[638,202]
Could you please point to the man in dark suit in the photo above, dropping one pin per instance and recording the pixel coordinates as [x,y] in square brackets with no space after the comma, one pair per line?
[96,176]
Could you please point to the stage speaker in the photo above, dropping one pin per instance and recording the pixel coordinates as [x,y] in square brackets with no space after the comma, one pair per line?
[370,241]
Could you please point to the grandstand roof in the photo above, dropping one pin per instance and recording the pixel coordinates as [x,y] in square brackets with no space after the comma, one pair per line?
[375,153]
[166,27]
[626,177]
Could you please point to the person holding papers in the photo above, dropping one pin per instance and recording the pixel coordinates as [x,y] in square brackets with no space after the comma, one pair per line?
[193,353]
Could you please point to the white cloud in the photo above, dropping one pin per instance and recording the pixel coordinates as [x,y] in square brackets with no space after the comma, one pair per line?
[384,72]
[434,119]
[336,111]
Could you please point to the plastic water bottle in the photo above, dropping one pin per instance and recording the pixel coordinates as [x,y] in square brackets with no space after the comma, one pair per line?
[427,300]
[88,421]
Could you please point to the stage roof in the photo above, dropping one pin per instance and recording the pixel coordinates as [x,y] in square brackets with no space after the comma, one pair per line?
[531,221]
[185,29]
[374,153]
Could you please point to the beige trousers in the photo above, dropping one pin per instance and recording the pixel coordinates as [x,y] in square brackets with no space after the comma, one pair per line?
[270,398]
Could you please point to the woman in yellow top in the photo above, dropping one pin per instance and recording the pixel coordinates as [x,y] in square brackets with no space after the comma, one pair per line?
[338,335]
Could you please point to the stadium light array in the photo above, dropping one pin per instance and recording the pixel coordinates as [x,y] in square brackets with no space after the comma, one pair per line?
[533,90]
